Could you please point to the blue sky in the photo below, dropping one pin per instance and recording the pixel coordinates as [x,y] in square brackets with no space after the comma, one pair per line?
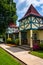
[23,5]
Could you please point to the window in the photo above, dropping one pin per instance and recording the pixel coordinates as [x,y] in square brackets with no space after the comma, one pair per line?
[35,36]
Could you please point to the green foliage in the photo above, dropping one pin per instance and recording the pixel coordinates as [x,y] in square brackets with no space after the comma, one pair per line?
[11,41]
[41,46]
[17,41]
[7,59]
[7,13]
[37,53]
[1,36]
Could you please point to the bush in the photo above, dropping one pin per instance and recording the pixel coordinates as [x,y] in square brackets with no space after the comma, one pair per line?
[13,41]
[41,46]
[17,41]
[9,40]
[36,47]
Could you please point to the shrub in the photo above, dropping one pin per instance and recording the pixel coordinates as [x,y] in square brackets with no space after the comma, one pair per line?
[9,40]
[13,41]
[36,47]
[41,46]
[17,41]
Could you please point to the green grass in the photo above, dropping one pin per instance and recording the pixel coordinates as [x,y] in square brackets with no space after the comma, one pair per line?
[37,53]
[7,59]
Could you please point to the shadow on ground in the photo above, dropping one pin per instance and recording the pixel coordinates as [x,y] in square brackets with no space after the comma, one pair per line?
[15,49]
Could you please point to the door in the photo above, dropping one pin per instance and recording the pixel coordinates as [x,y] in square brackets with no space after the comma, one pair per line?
[24,37]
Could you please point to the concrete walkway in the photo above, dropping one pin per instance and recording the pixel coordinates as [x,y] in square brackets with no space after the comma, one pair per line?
[23,55]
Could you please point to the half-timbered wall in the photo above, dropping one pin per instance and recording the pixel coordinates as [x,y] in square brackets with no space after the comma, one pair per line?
[30,23]
[37,22]
[24,24]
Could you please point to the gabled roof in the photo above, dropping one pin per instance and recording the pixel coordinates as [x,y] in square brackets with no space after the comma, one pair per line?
[31,11]
[12,25]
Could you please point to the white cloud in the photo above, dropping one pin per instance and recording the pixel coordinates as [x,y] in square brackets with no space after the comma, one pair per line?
[22,12]
[19,2]
[34,2]
[42,9]
[28,3]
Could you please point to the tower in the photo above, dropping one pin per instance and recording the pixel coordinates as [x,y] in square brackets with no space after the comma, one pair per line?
[31,20]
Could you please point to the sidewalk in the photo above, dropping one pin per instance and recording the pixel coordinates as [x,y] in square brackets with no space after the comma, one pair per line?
[23,55]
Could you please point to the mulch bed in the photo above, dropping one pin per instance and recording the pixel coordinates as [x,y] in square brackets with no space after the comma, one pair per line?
[12,45]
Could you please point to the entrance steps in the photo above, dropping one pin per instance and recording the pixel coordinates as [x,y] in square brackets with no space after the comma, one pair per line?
[25,47]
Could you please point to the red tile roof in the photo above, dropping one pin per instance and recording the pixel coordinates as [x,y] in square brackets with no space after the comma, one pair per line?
[12,25]
[31,11]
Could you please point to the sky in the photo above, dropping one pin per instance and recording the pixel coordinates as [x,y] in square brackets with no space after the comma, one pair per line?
[23,5]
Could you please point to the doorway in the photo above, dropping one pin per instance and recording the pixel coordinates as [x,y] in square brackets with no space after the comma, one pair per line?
[24,38]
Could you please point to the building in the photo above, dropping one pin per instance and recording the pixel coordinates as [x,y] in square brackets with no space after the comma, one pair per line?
[12,31]
[31,27]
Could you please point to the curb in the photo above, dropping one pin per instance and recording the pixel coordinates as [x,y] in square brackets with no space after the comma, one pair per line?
[14,56]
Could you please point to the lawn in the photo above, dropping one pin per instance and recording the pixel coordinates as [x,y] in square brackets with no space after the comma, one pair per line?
[7,59]
[37,53]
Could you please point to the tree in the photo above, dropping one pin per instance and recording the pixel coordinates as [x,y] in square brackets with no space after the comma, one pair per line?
[7,14]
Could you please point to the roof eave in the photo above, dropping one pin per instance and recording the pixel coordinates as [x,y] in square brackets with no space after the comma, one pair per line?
[30,15]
